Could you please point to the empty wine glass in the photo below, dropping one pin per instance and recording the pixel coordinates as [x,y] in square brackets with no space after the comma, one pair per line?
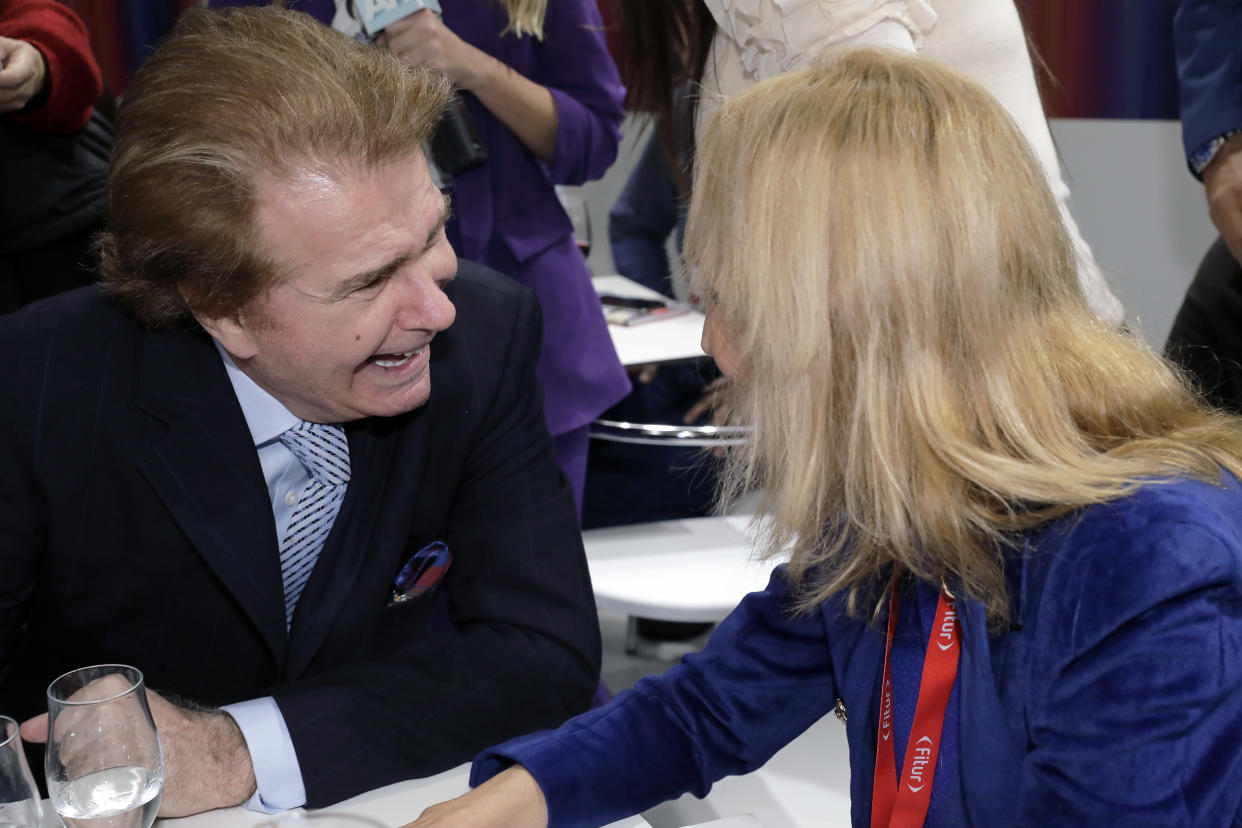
[104,763]
[20,805]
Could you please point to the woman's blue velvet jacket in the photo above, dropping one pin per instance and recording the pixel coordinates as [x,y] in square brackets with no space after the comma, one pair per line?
[1113,697]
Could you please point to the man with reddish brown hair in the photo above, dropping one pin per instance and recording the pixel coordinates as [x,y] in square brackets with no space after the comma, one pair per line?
[231,468]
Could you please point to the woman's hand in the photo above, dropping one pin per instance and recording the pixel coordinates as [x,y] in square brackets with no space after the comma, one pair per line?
[511,799]
[522,105]
[423,39]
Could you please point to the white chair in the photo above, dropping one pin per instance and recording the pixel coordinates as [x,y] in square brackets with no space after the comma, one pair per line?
[693,570]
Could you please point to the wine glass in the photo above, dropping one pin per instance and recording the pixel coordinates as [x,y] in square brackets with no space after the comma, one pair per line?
[20,805]
[104,763]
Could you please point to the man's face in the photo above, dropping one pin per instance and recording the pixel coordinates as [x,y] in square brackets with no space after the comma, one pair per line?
[347,335]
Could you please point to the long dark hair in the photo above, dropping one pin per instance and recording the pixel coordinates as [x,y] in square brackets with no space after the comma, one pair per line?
[663,45]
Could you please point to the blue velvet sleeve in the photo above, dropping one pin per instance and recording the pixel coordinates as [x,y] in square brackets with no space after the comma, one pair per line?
[1206,34]
[1134,690]
[762,679]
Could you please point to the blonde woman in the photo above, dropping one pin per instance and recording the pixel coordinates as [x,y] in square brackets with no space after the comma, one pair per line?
[1017,538]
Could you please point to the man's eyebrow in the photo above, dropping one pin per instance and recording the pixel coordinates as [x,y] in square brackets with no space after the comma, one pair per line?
[385,271]
[446,213]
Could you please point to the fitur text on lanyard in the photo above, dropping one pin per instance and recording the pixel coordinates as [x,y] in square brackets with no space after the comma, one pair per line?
[901,802]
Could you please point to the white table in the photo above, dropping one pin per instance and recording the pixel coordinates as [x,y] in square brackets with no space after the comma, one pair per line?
[805,785]
[667,340]
[391,806]
[692,570]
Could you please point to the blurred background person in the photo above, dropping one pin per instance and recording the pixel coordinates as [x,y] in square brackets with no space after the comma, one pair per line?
[629,483]
[54,151]
[727,45]
[1016,537]
[546,99]
[1206,339]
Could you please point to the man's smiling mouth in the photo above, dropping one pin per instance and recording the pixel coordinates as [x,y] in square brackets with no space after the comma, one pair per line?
[394,360]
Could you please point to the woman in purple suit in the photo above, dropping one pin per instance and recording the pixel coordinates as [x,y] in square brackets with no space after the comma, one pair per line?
[546,99]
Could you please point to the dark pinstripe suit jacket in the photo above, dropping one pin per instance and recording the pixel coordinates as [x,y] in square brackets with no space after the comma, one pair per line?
[135,527]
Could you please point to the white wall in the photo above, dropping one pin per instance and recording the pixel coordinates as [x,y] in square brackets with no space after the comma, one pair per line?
[1140,210]
[1137,206]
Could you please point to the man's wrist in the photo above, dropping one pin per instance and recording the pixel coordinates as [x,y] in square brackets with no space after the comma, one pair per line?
[232,758]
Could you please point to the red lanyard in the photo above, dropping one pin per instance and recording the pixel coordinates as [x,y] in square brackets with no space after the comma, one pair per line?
[904,805]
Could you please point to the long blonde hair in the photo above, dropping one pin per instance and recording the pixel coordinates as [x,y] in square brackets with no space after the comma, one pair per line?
[526,16]
[924,375]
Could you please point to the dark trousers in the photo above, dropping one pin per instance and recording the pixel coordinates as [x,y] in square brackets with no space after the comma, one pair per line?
[1206,339]
[635,483]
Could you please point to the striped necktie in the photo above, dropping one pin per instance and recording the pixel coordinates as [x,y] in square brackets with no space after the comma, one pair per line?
[324,453]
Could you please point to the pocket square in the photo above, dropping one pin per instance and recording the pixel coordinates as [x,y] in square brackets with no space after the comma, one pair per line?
[421,572]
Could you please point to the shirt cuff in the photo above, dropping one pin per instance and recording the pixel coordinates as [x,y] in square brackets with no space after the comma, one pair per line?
[1207,151]
[277,774]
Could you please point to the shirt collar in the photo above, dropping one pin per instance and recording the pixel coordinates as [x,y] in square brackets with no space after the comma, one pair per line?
[266,416]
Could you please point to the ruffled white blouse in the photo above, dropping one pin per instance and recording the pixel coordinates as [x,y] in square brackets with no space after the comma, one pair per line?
[774,36]
[982,39]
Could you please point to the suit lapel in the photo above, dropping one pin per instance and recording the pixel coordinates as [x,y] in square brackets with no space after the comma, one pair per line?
[205,468]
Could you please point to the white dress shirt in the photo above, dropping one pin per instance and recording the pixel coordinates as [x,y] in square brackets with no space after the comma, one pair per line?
[278,776]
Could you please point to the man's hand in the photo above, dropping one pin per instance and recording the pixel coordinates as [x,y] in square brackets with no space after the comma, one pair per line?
[206,763]
[23,74]
[511,799]
[1222,180]
[423,39]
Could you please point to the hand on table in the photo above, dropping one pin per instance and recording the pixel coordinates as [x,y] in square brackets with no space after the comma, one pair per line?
[511,799]
[23,73]
[1223,182]
[423,39]
[206,763]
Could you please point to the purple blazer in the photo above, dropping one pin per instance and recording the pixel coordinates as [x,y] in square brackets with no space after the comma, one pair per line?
[507,215]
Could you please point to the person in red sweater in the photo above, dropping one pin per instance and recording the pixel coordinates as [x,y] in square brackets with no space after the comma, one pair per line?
[49,79]
[53,152]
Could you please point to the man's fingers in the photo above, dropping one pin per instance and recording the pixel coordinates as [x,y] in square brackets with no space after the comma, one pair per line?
[35,730]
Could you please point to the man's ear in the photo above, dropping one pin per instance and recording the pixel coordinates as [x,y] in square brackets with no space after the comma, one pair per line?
[232,333]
